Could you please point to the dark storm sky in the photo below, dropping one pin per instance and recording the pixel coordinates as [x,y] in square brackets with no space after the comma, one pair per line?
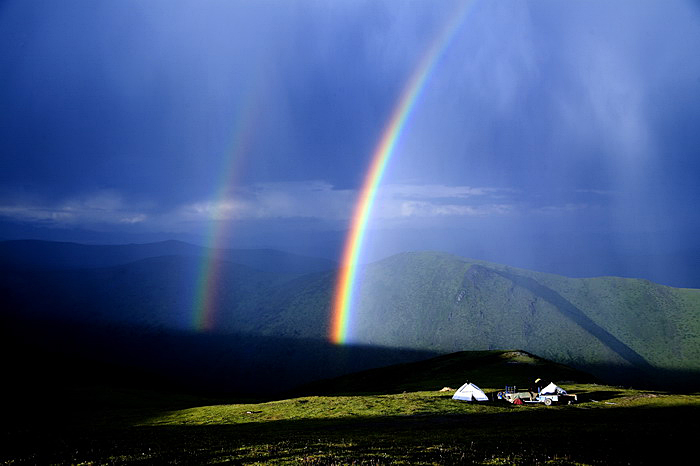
[545,127]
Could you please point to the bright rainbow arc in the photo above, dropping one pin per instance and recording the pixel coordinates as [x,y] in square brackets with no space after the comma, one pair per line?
[345,284]
[205,299]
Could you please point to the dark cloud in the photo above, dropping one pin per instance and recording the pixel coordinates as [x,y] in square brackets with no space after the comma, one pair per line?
[576,117]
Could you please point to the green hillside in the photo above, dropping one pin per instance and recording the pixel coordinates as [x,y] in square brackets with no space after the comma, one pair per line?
[628,329]
[438,302]
[607,425]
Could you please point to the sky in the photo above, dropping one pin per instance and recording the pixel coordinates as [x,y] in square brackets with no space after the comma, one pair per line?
[558,136]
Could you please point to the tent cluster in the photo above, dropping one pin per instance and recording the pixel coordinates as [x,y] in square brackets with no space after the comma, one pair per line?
[538,393]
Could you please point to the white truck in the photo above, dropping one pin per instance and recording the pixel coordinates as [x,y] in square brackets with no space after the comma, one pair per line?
[551,394]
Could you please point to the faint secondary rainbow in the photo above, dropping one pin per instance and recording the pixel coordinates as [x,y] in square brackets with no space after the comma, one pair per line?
[208,284]
[345,283]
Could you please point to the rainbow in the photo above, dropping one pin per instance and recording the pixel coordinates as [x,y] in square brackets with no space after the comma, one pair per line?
[345,283]
[205,296]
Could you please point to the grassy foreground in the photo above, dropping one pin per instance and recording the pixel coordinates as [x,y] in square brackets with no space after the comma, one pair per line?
[610,426]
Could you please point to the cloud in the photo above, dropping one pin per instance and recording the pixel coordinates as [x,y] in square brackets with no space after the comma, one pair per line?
[307,199]
[311,205]
[99,208]
[433,191]
[320,200]
[427,209]
[433,200]
[561,209]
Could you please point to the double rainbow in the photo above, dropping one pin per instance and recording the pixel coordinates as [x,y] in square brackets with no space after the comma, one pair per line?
[345,284]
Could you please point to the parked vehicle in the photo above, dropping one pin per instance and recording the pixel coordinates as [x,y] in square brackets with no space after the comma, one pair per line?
[550,394]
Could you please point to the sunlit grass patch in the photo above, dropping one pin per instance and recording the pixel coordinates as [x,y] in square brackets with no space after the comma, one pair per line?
[328,407]
[406,428]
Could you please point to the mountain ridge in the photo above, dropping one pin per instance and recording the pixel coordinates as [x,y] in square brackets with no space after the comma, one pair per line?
[425,301]
[494,306]
[47,255]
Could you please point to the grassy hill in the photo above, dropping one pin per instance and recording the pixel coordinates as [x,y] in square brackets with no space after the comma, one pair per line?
[610,425]
[443,303]
[624,330]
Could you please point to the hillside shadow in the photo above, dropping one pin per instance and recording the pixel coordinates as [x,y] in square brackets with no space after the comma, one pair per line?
[81,393]
[110,367]
[577,316]
[492,369]
[525,434]
[53,354]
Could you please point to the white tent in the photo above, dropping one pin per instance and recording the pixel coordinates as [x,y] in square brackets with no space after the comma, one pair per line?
[469,392]
[552,389]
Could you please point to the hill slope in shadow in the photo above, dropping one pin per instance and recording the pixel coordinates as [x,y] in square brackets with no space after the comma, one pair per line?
[621,329]
[492,369]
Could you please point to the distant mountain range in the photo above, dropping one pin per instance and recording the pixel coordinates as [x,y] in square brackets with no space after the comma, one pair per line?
[47,255]
[425,302]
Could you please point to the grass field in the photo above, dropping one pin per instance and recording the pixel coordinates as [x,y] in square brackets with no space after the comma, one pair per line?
[609,426]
